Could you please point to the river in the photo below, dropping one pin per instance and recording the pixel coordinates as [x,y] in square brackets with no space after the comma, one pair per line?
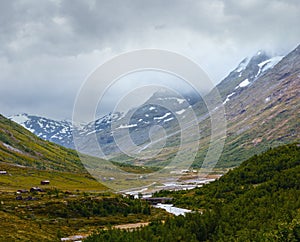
[171,209]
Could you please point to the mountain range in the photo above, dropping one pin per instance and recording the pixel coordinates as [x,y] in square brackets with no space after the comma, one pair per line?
[260,97]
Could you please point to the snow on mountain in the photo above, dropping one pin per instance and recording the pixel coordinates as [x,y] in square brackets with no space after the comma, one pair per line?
[101,124]
[228,97]
[59,132]
[268,64]
[159,109]
[126,126]
[247,72]
[242,66]
[243,83]
[163,117]
[20,119]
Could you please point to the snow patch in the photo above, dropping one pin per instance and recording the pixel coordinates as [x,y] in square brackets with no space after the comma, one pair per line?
[166,115]
[94,131]
[169,119]
[127,126]
[180,111]
[228,97]
[20,118]
[243,84]
[40,124]
[242,66]
[268,64]
[64,130]
[29,129]
[180,100]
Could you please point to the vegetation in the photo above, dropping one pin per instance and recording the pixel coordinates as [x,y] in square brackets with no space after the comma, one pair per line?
[53,214]
[27,177]
[73,203]
[19,146]
[29,159]
[258,201]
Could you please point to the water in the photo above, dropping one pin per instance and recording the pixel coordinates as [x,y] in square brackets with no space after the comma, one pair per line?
[171,209]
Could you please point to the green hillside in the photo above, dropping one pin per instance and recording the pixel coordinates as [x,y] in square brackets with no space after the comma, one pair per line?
[29,159]
[73,203]
[18,146]
[258,201]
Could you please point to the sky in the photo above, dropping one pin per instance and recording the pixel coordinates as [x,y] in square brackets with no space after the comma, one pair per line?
[49,48]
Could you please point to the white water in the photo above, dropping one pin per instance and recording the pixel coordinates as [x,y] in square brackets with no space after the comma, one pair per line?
[171,209]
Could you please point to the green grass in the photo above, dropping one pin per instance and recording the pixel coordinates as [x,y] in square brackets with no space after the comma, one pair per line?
[26,177]
[74,202]
[31,151]
[257,201]
[55,215]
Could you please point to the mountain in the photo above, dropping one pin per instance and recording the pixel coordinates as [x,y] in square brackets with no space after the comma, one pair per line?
[261,101]
[265,113]
[249,70]
[153,112]
[20,147]
[28,159]
[59,132]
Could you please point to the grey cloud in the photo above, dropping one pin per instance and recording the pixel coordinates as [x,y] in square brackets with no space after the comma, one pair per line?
[48,48]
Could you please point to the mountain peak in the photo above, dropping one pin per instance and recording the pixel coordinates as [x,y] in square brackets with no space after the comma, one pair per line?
[248,71]
[19,118]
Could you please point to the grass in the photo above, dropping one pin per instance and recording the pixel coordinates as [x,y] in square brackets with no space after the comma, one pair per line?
[36,221]
[71,203]
[25,178]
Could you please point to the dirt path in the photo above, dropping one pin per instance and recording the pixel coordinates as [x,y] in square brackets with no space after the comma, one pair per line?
[120,226]
[131,226]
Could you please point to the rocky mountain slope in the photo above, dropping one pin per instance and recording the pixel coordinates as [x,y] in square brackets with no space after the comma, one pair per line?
[59,132]
[266,112]
[261,99]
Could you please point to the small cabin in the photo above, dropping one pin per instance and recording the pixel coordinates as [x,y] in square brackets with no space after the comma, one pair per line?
[45,182]
[22,191]
[36,189]
[3,172]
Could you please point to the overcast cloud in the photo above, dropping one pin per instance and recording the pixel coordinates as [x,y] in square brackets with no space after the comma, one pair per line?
[48,48]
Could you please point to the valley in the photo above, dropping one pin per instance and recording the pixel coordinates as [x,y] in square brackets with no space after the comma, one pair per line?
[49,192]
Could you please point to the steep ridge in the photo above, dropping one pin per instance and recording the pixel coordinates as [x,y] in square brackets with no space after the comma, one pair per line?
[266,113]
[19,146]
[246,72]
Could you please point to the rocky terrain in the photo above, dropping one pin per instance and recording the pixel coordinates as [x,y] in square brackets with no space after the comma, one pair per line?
[261,100]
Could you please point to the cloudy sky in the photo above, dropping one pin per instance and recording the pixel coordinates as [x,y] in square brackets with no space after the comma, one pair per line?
[48,48]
